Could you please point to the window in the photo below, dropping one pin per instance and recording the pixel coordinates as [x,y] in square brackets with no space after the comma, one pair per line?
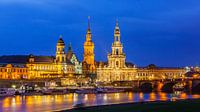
[117,38]
[63,59]
[117,63]
[117,51]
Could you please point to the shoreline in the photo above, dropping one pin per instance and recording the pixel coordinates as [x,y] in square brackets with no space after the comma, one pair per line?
[145,106]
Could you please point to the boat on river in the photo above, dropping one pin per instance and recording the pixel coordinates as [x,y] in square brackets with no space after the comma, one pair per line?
[7,91]
[86,91]
[54,91]
[109,90]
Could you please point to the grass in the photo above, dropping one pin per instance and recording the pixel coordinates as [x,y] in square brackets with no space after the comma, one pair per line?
[175,106]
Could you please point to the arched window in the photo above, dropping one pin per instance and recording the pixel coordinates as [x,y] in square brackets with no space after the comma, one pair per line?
[117,63]
[117,51]
[117,38]
[63,59]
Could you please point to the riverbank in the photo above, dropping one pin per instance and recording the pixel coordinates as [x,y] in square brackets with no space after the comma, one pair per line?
[190,105]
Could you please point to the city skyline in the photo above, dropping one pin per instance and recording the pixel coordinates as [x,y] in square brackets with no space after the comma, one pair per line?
[172,41]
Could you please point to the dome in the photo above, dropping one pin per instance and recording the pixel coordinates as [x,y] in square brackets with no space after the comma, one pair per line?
[61,42]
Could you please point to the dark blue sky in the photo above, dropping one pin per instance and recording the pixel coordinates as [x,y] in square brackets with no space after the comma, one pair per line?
[163,32]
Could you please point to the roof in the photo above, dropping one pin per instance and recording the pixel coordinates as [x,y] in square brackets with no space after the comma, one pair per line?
[22,59]
[44,59]
[61,42]
[14,59]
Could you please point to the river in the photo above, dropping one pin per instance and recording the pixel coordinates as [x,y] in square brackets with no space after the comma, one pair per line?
[42,103]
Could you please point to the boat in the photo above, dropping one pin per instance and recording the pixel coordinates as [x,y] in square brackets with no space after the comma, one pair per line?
[85,91]
[7,91]
[54,91]
[109,90]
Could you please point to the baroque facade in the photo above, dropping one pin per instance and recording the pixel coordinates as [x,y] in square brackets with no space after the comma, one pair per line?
[31,67]
[118,70]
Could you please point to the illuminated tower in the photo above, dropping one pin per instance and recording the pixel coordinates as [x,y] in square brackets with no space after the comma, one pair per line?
[116,59]
[88,61]
[60,51]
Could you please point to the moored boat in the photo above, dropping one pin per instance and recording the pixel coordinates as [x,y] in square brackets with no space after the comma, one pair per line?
[109,90]
[7,91]
[85,91]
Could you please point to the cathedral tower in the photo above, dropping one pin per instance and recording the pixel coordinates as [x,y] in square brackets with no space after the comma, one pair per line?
[88,61]
[117,58]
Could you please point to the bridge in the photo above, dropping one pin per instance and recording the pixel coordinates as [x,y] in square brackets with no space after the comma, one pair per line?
[190,84]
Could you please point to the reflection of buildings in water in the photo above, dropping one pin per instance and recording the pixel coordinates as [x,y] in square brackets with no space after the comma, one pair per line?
[75,97]
[58,99]
[183,96]
[141,96]
[195,96]
[117,96]
[91,98]
[105,97]
[6,102]
[162,96]
[86,97]
[152,96]
[130,96]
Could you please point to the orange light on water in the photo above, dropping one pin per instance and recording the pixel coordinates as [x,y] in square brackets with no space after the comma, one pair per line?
[141,96]
[130,96]
[163,96]
[183,96]
[152,96]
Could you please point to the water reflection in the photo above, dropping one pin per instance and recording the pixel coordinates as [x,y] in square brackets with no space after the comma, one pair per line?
[57,102]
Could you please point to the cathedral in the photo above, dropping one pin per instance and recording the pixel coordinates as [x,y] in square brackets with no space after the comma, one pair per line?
[116,69]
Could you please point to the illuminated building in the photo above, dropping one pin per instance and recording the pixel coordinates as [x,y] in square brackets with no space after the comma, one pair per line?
[31,67]
[116,69]
[13,71]
[67,67]
[152,72]
[73,59]
[88,59]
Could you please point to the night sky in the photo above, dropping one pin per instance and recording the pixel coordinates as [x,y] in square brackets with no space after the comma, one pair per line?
[163,32]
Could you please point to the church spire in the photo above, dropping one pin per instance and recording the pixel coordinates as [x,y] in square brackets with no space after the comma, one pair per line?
[70,47]
[88,30]
[88,22]
[117,30]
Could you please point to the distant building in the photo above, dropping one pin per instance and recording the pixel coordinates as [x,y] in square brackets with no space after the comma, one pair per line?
[31,67]
[152,72]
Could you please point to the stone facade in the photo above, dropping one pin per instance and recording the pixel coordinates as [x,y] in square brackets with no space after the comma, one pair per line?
[118,70]
[37,66]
